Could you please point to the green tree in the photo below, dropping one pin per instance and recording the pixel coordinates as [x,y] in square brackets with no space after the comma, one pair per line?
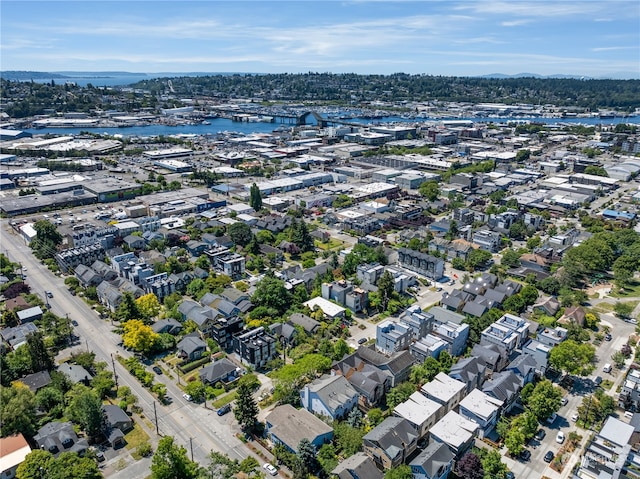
[386,288]
[39,464]
[403,471]
[170,461]
[510,258]
[522,156]
[347,438]
[299,235]
[139,336]
[595,170]
[492,464]
[327,458]
[85,408]
[148,305]
[624,268]
[271,293]
[17,410]
[128,308]
[47,239]
[246,410]
[430,190]
[623,310]
[196,390]
[240,233]
[399,394]
[478,257]
[41,359]
[573,357]
[515,441]
[255,197]
[545,399]
[307,455]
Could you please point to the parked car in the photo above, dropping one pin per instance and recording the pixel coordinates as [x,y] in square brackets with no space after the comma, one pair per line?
[548,457]
[157,370]
[187,397]
[224,410]
[362,340]
[575,417]
[525,455]
[564,401]
[597,381]
[270,469]
[560,437]
[551,419]
[607,337]
[540,434]
[49,294]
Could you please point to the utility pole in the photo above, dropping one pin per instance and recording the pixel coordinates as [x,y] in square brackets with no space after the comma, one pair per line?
[115,375]
[155,413]
[191,445]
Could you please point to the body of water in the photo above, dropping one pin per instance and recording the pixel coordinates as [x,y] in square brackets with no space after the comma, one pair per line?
[219,125]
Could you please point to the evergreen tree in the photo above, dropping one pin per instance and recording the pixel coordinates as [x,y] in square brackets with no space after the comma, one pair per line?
[128,308]
[255,197]
[307,455]
[385,289]
[246,410]
[41,359]
[170,461]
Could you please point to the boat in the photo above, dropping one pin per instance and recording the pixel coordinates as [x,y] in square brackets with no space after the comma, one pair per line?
[205,122]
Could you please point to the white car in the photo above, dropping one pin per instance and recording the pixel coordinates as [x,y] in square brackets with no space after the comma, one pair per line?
[574,418]
[187,396]
[270,469]
[560,437]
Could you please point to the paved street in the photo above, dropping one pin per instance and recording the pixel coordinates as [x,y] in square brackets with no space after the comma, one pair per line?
[181,419]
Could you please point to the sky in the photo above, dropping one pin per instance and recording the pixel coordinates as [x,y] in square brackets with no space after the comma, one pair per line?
[448,37]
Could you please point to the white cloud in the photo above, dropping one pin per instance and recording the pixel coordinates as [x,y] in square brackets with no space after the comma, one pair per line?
[515,23]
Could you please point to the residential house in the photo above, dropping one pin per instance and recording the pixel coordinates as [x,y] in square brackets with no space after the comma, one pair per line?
[16,304]
[420,322]
[238,298]
[117,423]
[29,315]
[456,432]
[223,329]
[442,315]
[87,276]
[36,381]
[346,294]
[357,466]
[428,346]
[58,437]
[221,371]
[370,382]
[488,240]
[329,395]
[482,409]
[434,462]
[309,325]
[445,390]
[540,354]
[523,366]
[421,412]
[495,357]
[331,310]
[255,347]
[548,305]
[75,373]
[191,347]
[504,386]
[288,426]
[455,335]
[611,453]
[573,315]
[398,364]
[629,397]
[17,336]
[134,242]
[552,336]
[390,443]
[392,336]
[13,451]
[286,333]
[421,263]
[471,371]
[168,326]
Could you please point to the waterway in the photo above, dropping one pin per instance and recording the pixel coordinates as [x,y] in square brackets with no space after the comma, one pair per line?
[220,125]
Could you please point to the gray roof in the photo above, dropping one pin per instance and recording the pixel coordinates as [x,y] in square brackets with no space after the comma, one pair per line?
[434,459]
[522,365]
[357,466]
[216,371]
[503,386]
[18,334]
[115,415]
[490,353]
[191,344]
[333,391]
[75,373]
[52,435]
[28,314]
[308,324]
[37,380]
[292,425]
[234,295]
[392,435]
[443,315]
[474,308]
[170,324]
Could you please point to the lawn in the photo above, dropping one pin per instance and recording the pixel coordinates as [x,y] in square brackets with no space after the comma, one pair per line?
[333,243]
[633,290]
[226,399]
[134,438]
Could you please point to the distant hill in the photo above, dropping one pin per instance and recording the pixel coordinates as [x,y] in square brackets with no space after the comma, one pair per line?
[29,75]
[612,76]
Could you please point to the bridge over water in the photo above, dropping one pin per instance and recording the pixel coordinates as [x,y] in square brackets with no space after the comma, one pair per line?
[290,118]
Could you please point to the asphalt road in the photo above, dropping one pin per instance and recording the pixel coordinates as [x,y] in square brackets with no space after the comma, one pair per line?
[187,422]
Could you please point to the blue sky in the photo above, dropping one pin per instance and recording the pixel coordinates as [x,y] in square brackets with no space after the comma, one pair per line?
[466,38]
